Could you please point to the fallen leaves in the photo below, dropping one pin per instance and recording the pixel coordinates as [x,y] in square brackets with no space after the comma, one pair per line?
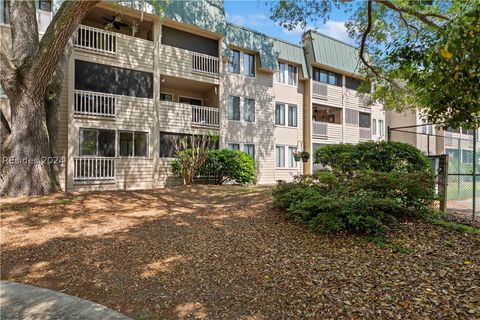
[222,253]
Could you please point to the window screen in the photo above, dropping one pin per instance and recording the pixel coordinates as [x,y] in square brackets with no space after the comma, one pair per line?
[351,116]
[234,108]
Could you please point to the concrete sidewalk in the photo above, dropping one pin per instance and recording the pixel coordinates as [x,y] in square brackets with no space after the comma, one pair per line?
[20,301]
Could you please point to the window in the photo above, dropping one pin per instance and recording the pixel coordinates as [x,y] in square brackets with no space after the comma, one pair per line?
[280,156]
[166,97]
[292,115]
[249,110]
[99,143]
[96,77]
[234,61]
[133,144]
[381,128]
[364,120]
[168,141]
[45,5]
[354,83]
[292,75]
[291,160]
[467,156]
[233,108]
[280,114]
[234,146]
[191,101]
[374,127]
[287,74]
[351,116]
[281,75]
[327,114]
[329,77]
[248,64]
[249,149]
[4,12]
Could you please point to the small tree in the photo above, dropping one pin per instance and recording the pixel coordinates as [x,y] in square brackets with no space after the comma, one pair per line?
[192,151]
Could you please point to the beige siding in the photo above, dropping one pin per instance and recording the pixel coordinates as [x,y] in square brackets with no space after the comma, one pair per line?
[334,97]
[177,62]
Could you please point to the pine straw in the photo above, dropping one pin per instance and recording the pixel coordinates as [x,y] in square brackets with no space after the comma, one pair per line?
[224,253]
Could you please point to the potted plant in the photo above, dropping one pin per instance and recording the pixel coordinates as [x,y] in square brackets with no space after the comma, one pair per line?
[297,155]
[305,156]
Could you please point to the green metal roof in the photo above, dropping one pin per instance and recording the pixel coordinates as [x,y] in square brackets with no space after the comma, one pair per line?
[334,53]
[269,49]
[206,14]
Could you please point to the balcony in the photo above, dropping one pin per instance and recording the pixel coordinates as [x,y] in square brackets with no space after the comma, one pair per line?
[177,116]
[320,90]
[93,169]
[205,64]
[96,104]
[327,131]
[320,129]
[98,40]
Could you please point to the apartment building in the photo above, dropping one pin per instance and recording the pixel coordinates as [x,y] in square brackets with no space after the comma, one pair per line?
[409,127]
[137,82]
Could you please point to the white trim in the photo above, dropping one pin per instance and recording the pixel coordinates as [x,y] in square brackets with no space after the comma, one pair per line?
[242,108]
[287,167]
[133,156]
[286,106]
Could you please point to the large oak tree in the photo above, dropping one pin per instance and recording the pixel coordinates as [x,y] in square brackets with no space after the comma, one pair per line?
[31,73]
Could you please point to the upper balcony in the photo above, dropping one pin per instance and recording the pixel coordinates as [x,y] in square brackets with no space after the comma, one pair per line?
[331,94]
[188,105]
[190,56]
[112,38]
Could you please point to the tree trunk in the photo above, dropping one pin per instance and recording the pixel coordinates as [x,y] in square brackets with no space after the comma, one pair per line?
[28,170]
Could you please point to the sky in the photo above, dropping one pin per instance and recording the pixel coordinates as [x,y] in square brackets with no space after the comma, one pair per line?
[253,14]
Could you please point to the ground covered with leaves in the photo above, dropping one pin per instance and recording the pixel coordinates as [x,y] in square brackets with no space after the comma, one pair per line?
[224,253]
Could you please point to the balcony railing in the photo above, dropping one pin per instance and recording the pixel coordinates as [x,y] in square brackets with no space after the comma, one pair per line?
[203,63]
[320,90]
[93,169]
[319,128]
[94,104]
[365,133]
[205,116]
[97,40]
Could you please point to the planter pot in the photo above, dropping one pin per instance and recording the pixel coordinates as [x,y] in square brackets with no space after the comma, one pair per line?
[297,158]
[305,159]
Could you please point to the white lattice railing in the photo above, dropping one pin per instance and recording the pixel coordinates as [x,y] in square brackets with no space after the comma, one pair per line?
[95,39]
[320,128]
[93,168]
[320,90]
[94,103]
[365,133]
[204,63]
[205,116]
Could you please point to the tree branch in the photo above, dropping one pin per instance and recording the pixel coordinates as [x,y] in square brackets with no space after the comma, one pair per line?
[7,68]
[420,16]
[55,40]
[24,30]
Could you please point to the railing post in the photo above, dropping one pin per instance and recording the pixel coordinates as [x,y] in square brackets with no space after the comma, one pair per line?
[474,200]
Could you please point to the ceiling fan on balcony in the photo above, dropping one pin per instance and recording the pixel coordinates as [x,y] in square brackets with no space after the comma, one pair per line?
[114,22]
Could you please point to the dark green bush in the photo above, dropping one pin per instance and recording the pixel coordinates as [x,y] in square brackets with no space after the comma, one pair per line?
[384,156]
[366,202]
[226,164]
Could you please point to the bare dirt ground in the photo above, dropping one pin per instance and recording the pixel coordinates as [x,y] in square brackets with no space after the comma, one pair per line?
[224,253]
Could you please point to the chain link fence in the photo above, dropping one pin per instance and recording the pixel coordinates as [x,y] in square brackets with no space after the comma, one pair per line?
[455,154]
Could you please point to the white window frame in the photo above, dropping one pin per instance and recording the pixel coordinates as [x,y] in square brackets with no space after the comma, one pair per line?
[230,144]
[286,151]
[167,93]
[239,106]
[80,140]
[286,74]
[242,108]
[286,107]
[374,127]
[254,64]
[254,149]
[241,146]
[381,127]
[133,143]
[239,61]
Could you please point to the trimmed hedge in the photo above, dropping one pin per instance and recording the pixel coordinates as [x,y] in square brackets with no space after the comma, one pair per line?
[368,187]
[384,156]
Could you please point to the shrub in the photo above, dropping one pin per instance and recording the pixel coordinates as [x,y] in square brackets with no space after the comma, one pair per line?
[366,203]
[384,156]
[226,164]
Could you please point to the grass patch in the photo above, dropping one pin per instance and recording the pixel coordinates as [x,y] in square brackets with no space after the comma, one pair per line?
[455,226]
[64,202]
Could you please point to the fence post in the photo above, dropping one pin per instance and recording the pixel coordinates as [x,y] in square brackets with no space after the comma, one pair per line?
[474,202]
[389,134]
